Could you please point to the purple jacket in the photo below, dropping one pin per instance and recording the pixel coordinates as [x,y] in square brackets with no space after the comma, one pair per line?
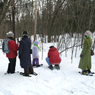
[35,50]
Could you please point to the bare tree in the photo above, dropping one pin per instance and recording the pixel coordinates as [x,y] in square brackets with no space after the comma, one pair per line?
[4,9]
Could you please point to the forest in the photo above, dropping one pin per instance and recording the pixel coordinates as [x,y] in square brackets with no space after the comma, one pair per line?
[50,18]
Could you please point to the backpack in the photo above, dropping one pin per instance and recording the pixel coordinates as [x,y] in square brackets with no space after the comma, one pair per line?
[5,47]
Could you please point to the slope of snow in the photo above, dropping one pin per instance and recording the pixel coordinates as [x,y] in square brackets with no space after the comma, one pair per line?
[66,81]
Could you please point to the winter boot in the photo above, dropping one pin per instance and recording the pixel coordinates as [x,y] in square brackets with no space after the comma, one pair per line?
[50,67]
[89,72]
[31,70]
[57,67]
[26,72]
[84,72]
[34,65]
[21,73]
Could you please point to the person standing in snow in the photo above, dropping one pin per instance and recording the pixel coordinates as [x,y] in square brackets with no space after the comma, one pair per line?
[85,56]
[24,54]
[35,54]
[13,47]
[53,58]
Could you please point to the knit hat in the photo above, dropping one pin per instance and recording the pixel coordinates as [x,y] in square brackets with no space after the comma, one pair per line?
[51,46]
[10,34]
[87,33]
[25,33]
[36,42]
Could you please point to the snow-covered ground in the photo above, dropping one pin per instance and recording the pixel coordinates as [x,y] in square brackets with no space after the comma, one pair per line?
[66,81]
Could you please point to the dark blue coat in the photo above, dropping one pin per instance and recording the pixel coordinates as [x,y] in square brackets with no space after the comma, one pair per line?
[24,52]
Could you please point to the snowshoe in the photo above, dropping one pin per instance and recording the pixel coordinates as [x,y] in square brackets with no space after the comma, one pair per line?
[34,65]
[39,65]
[57,67]
[87,74]
[21,73]
[84,72]
[34,73]
[10,73]
[90,72]
[6,73]
[50,67]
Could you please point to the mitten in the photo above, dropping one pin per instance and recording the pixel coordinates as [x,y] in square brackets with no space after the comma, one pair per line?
[81,55]
[19,57]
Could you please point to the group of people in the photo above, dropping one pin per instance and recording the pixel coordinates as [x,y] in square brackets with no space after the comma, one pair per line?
[24,54]
[53,58]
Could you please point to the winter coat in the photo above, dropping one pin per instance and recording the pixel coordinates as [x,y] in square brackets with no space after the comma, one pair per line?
[54,57]
[13,47]
[24,52]
[35,50]
[85,61]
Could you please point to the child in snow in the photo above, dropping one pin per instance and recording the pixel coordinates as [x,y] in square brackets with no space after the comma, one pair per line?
[53,58]
[35,54]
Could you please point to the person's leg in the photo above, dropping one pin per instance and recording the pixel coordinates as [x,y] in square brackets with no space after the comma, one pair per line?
[33,61]
[37,61]
[88,70]
[31,71]
[26,72]
[50,65]
[12,65]
[8,70]
[47,60]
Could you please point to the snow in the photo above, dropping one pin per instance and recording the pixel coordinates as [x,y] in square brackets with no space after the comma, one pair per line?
[66,81]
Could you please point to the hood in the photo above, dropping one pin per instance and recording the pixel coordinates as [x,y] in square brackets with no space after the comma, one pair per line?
[36,42]
[52,49]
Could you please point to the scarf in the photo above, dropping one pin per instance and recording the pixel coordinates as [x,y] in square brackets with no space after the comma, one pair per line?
[87,37]
[36,45]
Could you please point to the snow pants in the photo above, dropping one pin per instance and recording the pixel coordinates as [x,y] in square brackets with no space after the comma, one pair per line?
[36,60]
[47,60]
[11,65]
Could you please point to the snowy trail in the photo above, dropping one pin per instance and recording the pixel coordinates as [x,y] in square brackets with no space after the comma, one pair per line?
[66,81]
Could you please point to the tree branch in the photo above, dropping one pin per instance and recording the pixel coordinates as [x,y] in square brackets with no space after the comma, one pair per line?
[69,48]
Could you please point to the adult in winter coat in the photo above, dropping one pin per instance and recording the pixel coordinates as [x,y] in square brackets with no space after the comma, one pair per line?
[53,58]
[24,54]
[13,47]
[35,54]
[85,60]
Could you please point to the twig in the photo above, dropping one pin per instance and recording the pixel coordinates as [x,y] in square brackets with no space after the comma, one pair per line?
[68,48]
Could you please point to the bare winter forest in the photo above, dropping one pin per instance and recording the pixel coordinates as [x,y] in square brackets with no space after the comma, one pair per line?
[48,18]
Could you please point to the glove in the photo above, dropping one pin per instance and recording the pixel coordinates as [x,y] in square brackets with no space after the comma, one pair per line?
[19,57]
[81,55]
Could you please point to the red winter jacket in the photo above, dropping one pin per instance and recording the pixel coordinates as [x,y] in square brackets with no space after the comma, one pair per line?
[13,47]
[54,57]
